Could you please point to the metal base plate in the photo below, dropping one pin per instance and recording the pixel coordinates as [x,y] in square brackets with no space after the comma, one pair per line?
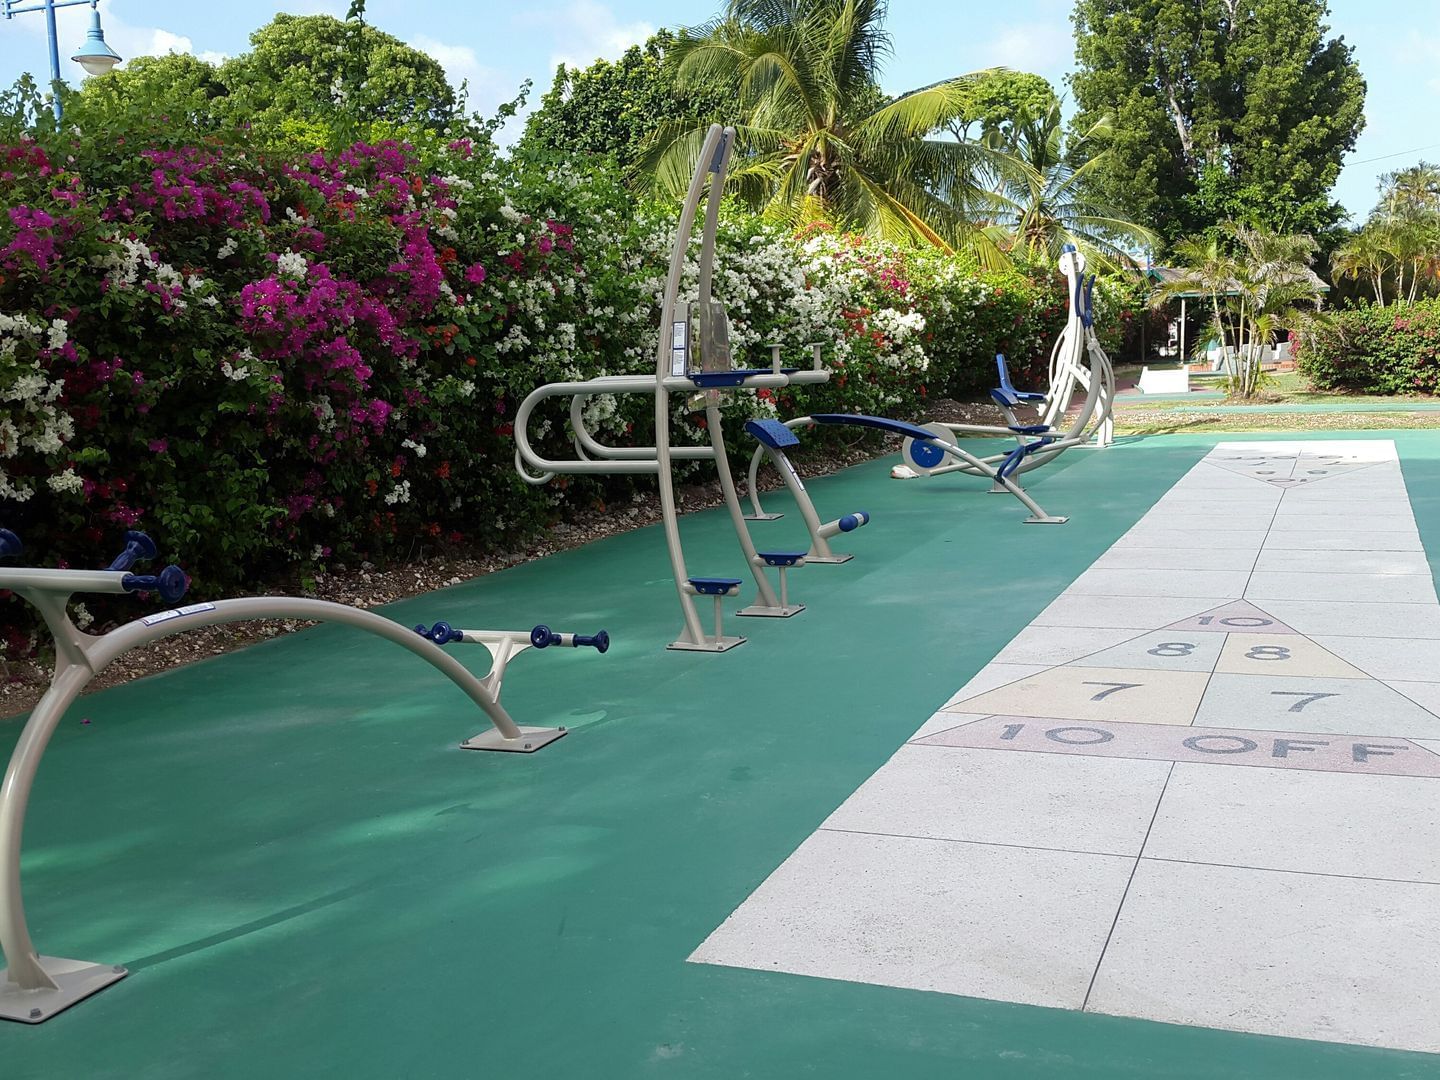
[763,517]
[723,644]
[77,980]
[827,558]
[1046,520]
[531,739]
[759,611]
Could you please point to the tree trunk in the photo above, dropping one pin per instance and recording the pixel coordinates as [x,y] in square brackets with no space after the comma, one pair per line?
[1181,127]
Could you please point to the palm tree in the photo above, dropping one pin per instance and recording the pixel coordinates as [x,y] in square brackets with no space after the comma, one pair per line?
[1274,287]
[1205,268]
[1045,205]
[1267,285]
[1363,255]
[818,139]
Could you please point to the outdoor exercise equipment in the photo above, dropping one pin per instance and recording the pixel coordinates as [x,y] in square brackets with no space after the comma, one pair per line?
[503,646]
[1077,362]
[34,988]
[693,358]
[774,437]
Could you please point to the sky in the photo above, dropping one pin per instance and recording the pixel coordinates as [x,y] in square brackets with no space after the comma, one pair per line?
[495,46]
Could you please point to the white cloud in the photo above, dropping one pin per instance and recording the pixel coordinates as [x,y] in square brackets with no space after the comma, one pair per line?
[1035,46]
[583,31]
[459,61]
[1419,49]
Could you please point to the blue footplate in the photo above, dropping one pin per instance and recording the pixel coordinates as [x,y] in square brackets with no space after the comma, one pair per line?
[714,586]
[772,433]
[781,558]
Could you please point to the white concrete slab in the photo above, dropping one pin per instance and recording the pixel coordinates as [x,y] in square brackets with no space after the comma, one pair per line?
[1160,535]
[1249,499]
[1424,694]
[1050,645]
[1367,588]
[1346,521]
[1318,618]
[1288,819]
[1194,558]
[1011,924]
[1093,804]
[1238,519]
[991,676]
[1388,659]
[1310,957]
[1352,540]
[944,721]
[1343,562]
[1135,612]
[1310,703]
[1177,582]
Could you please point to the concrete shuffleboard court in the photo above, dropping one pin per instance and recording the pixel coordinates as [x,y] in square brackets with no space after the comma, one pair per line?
[1201,787]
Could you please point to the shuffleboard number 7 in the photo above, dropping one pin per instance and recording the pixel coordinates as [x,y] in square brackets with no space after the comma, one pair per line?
[1115,688]
[1305,699]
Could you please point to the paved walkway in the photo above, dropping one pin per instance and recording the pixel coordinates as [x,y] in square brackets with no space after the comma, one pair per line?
[1201,786]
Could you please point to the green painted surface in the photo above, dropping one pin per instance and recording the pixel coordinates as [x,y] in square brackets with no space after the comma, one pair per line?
[309,879]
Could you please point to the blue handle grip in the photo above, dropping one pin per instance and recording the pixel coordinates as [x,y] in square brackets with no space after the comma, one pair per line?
[442,633]
[542,637]
[10,544]
[138,548]
[599,642]
[170,583]
[1089,316]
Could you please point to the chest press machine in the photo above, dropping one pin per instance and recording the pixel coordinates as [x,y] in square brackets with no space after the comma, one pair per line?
[693,358]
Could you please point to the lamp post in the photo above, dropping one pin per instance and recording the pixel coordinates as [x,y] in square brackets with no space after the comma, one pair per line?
[94,55]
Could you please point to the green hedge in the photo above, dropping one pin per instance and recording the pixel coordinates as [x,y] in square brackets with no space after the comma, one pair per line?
[271,362]
[1376,350]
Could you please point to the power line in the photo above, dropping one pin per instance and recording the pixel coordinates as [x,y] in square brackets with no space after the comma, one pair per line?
[1401,153]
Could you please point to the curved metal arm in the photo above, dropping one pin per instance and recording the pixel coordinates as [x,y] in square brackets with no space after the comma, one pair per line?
[587,443]
[24,967]
[526,454]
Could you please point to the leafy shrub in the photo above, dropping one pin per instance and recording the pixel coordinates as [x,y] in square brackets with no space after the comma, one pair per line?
[1376,350]
[272,361]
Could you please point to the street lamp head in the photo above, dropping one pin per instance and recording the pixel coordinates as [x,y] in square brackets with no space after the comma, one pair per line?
[95,56]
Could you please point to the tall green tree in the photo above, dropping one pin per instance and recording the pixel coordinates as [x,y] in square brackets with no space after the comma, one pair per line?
[310,70]
[1238,109]
[177,91]
[818,138]
[995,100]
[618,107]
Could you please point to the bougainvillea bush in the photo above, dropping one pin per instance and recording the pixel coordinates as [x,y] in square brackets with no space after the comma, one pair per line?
[1375,350]
[270,362]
